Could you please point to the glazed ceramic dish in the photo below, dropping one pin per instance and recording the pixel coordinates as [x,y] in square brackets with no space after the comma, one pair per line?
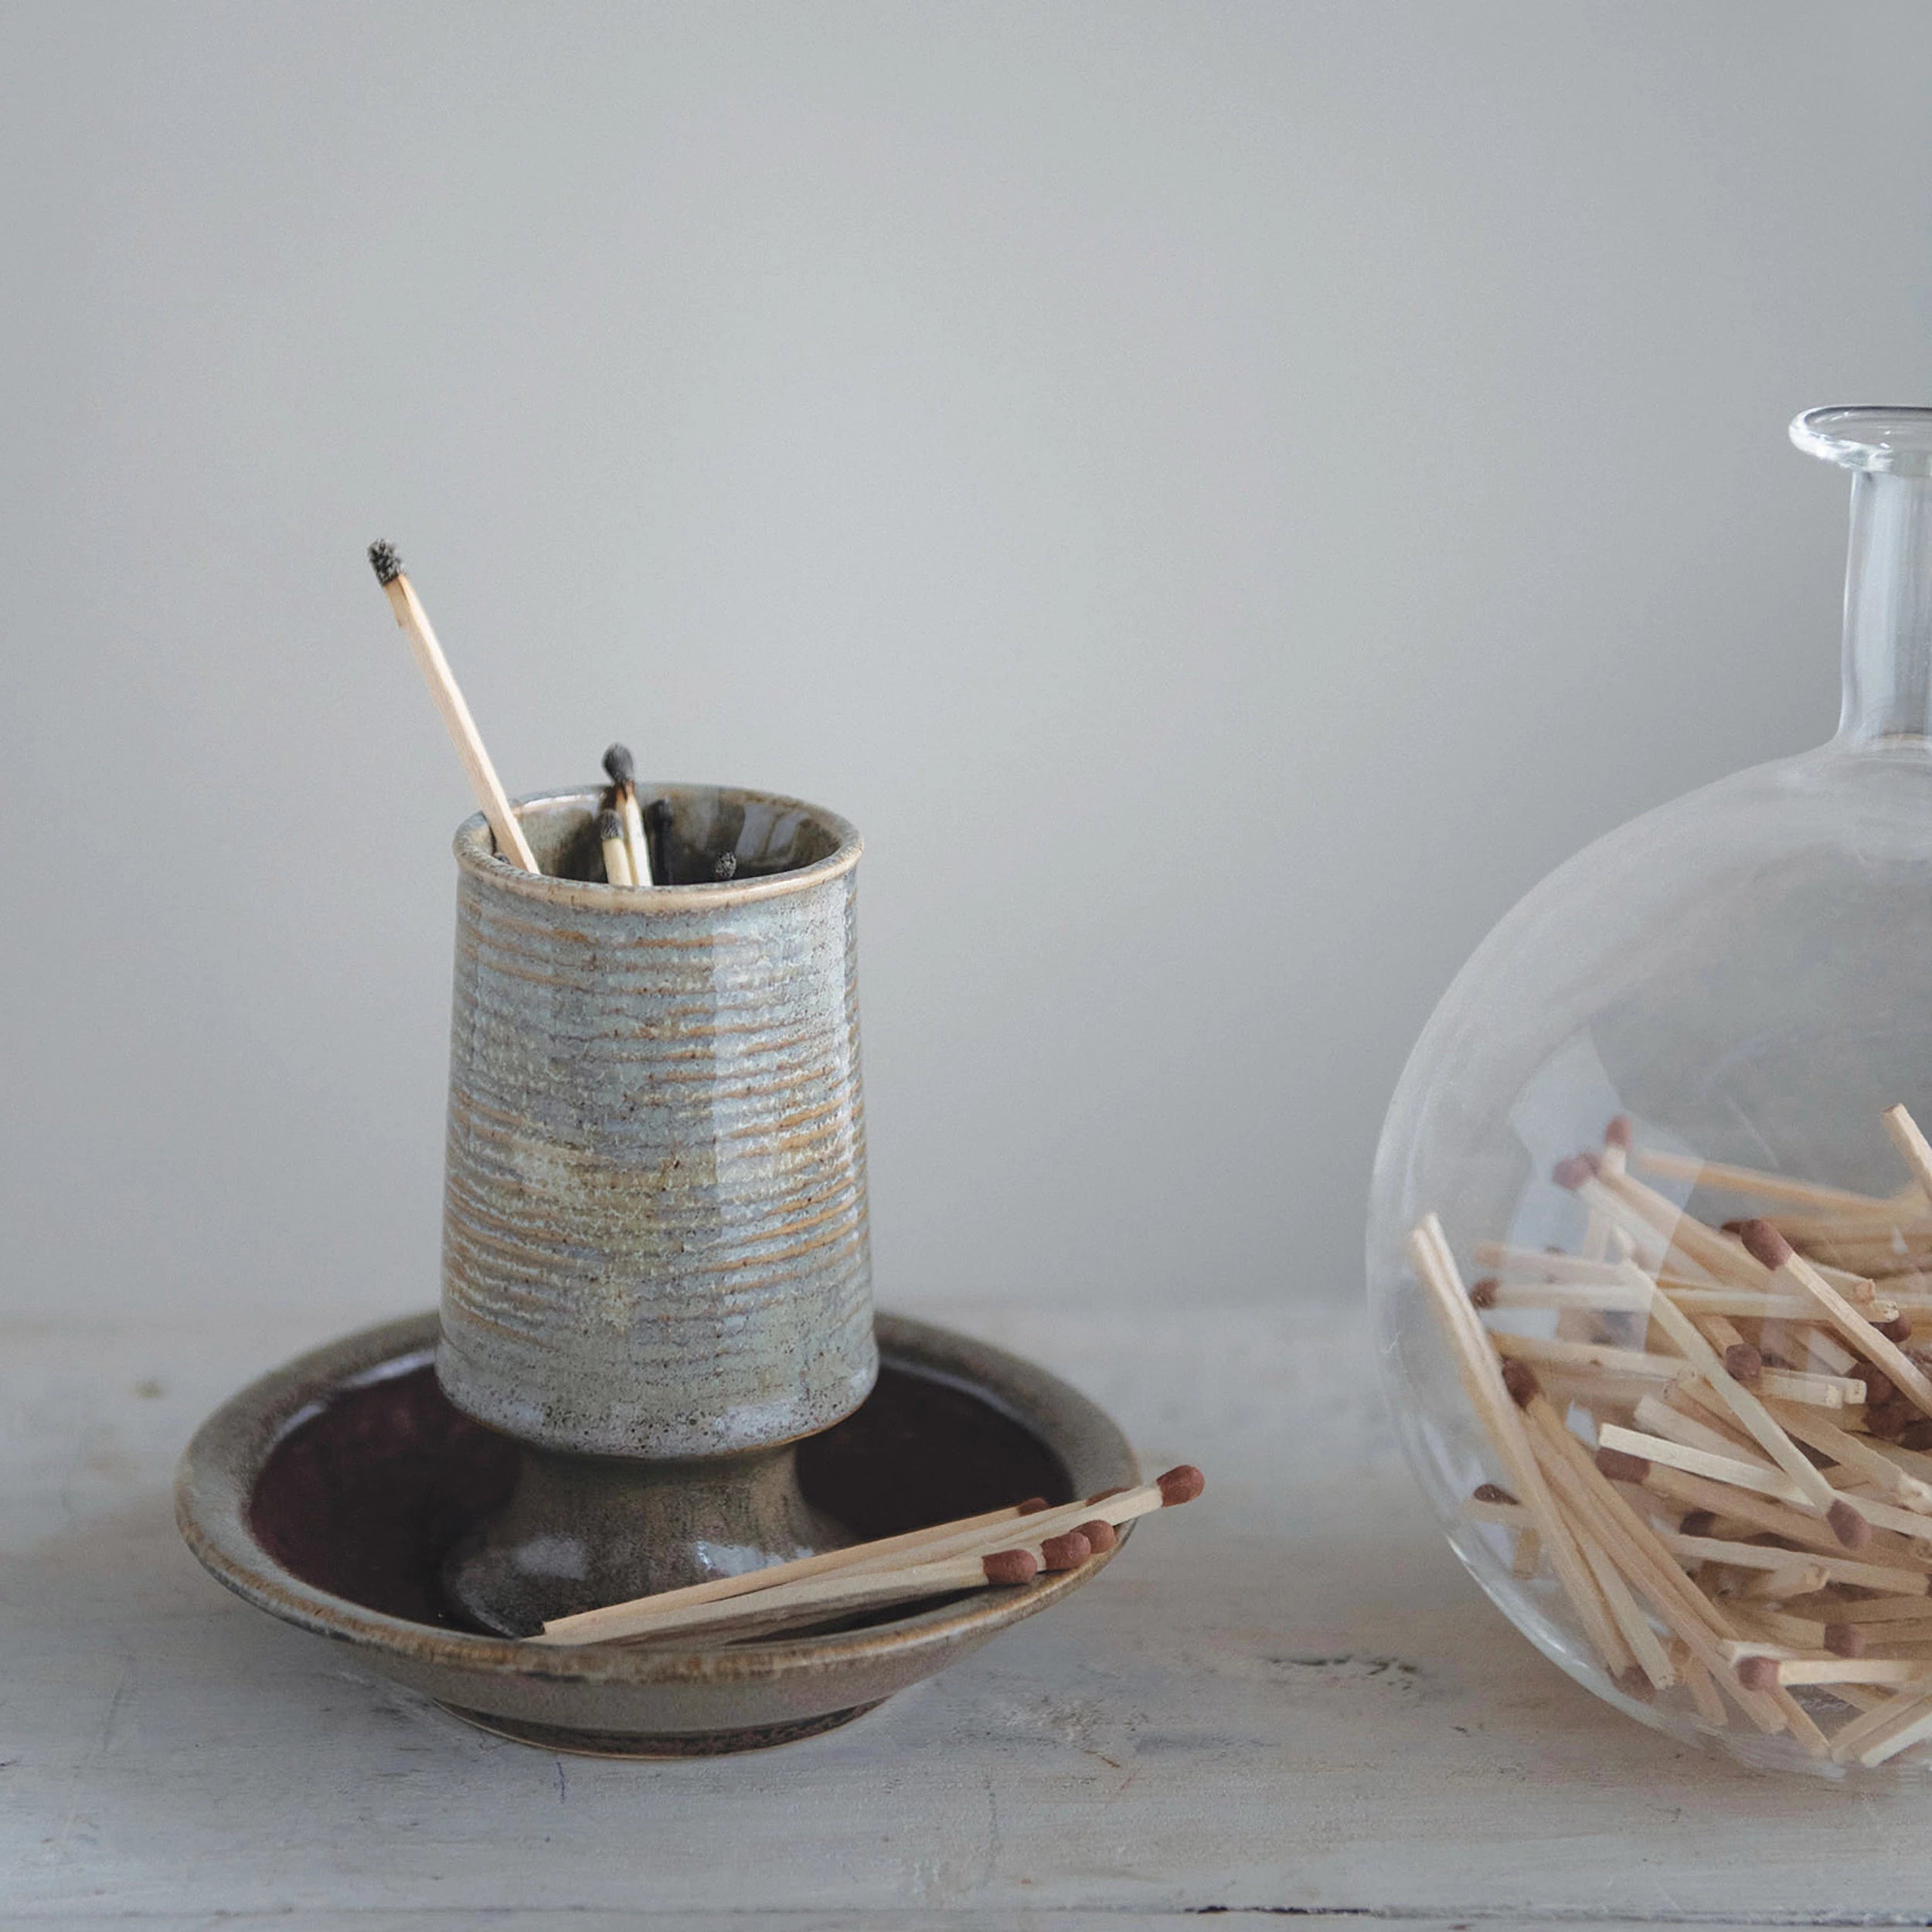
[329,1492]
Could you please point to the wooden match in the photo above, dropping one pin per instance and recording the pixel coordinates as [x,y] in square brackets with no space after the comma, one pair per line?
[622,772]
[490,794]
[931,1562]
[1733,1498]
[617,849]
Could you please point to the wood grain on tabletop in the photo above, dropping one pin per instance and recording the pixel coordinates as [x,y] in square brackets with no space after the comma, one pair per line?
[1288,1700]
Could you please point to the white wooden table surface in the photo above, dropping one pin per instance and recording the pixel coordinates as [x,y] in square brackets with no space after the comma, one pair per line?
[1285,1701]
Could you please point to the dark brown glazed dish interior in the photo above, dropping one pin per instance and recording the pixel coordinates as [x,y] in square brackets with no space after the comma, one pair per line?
[365,1494]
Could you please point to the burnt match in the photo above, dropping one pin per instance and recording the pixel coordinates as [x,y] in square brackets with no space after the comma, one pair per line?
[414,621]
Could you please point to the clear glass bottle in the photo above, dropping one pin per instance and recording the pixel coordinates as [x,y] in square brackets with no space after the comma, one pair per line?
[1742,978]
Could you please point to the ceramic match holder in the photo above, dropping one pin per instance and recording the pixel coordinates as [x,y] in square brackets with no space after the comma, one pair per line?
[656,1275]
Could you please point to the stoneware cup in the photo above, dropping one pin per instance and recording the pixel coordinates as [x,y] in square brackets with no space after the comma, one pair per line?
[655,1267]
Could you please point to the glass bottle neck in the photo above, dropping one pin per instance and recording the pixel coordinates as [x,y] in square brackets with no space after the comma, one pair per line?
[1888,613]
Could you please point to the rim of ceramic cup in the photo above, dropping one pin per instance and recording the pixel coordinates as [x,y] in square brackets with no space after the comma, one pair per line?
[476,851]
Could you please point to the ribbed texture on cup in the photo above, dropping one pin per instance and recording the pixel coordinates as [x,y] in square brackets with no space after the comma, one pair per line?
[655,1226]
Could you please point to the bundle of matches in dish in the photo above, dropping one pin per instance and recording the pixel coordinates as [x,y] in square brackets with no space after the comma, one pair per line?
[1723,1456]
[1001,1550]
[620,831]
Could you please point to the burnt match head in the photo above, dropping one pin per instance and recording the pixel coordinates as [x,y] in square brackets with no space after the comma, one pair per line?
[1617,1133]
[1743,1363]
[1847,1526]
[609,826]
[1010,1566]
[1574,1172]
[726,866]
[1182,1483]
[619,763]
[1520,1379]
[385,561]
[1763,1243]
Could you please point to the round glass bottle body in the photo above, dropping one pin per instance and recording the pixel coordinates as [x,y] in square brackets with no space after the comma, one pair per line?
[1740,980]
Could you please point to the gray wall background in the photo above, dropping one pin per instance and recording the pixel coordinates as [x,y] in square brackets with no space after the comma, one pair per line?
[1225,496]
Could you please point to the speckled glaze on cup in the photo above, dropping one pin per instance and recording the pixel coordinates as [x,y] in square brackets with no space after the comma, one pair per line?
[655,1226]
[656,1265]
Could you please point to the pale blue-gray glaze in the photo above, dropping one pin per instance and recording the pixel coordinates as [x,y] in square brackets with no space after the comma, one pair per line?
[654,1226]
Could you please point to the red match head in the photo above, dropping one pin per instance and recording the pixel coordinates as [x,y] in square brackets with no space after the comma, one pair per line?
[1182,1483]
[1011,1567]
[1067,1551]
[1763,1243]
[1621,1466]
[1520,1379]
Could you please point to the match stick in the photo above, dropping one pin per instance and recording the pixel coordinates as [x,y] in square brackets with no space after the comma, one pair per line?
[1653,1661]
[867,1587]
[1850,1527]
[1699,1299]
[590,1626]
[1777,1253]
[1910,1616]
[1911,1460]
[1599,1235]
[1906,1586]
[1705,1247]
[1913,1149]
[1762,1673]
[1527,1557]
[1823,1348]
[1812,1531]
[1630,1545]
[1853,1452]
[1703,1692]
[1636,1548]
[1636,1363]
[1582,1175]
[1661,1419]
[844,1594]
[1904,1720]
[1796,1579]
[1096,1517]
[1747,1180]
[435,668]
[616,851]
[1759,1477]
[624,781]
[1631,1542]
[1482,1381]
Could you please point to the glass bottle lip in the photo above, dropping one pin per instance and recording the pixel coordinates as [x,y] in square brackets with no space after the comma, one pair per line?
[1892,439]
